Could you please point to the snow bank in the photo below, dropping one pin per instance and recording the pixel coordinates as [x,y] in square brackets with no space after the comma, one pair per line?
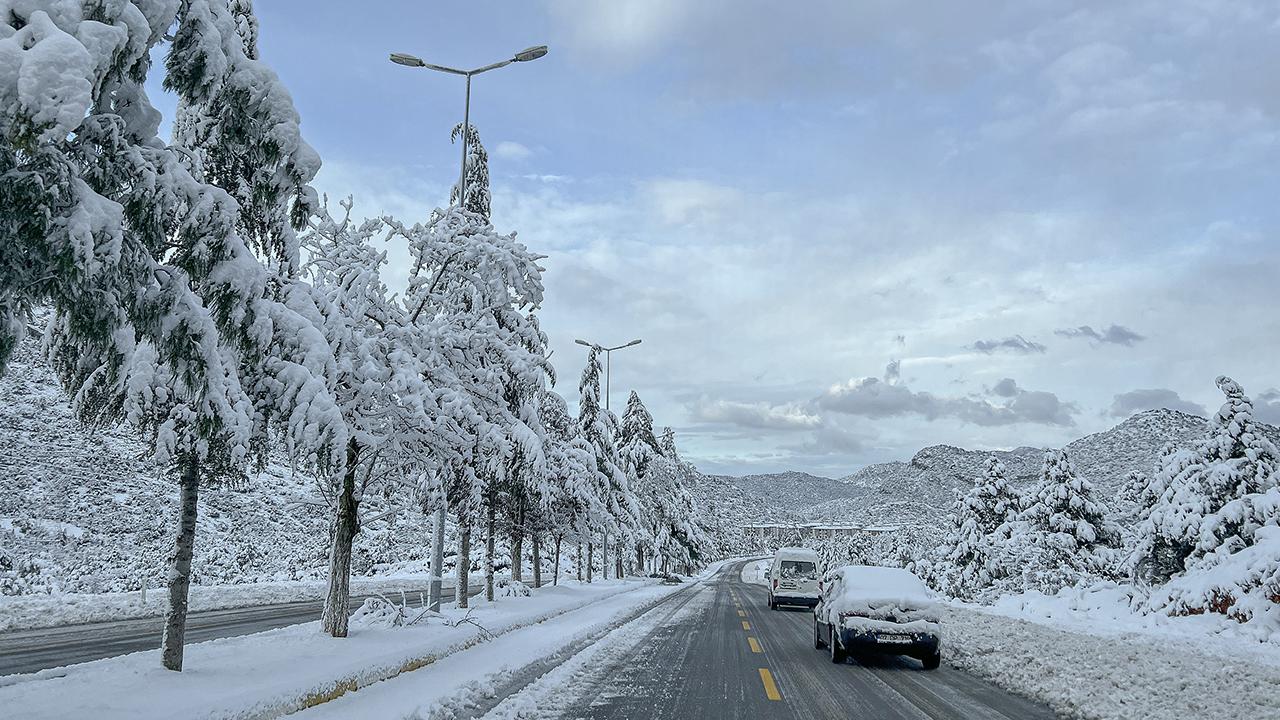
[269,674]
[1114,676]
[1107,609]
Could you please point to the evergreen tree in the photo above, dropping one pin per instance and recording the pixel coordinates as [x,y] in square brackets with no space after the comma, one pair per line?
[239,128]
[980,523]
[1064,526]
[1213,504]
[600,428]
[478,196]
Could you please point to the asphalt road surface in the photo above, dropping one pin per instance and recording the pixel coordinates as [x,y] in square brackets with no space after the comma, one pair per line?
[733,657]
[26,651]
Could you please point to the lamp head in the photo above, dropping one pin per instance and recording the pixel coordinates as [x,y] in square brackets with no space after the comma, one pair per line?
[406,60]
[532,53]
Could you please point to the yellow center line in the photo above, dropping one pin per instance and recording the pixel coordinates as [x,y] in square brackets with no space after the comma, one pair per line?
[755,645]
[742,613]
[746,625]
[770,689]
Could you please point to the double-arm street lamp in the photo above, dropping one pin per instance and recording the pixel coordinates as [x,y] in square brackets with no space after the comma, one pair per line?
[525,55]
[608,362]
[533,53]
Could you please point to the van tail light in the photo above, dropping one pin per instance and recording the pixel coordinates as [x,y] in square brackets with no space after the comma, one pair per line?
[819,586]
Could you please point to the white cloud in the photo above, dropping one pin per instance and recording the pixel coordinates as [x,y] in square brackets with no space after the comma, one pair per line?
[510,150]
[758,415]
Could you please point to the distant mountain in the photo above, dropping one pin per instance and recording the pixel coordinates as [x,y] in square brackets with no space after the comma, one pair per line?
[787,496]
[921,491]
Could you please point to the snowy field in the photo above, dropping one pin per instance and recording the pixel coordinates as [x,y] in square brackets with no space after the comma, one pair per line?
[279,671]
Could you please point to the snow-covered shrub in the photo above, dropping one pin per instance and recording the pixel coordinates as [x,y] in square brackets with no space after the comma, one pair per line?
[380,612]
[1210,532]
[510,588]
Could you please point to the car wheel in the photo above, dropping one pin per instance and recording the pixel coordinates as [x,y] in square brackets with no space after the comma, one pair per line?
[773,604]
[817,638]
[837,653]
[933,661]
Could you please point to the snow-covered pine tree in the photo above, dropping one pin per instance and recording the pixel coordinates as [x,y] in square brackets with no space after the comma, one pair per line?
[1063,523]
[238,125]
[478,196]
[573,475]
[155,295]
[980,523]
[638,447]
[1213,520]
[600,428]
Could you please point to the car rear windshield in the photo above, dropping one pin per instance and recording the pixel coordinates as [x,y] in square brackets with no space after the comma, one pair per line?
[798,570]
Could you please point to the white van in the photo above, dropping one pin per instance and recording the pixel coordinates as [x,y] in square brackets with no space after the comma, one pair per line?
[793,578]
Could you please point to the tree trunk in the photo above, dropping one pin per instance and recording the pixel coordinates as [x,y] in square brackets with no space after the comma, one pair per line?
[577,561]
[537,560]
[639,560]
[461,589]
[488,551]
[604,557]
[555,578]
[175,618]
[337,604]
[517,555]
[590,559]
[617,562]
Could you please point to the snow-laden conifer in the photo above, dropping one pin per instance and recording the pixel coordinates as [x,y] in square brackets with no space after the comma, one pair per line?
[1209,529]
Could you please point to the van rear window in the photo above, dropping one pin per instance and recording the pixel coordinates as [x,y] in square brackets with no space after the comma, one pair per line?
[798,570]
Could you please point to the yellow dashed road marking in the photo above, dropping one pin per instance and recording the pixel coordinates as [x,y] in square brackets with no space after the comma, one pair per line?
[746,625]
[742,613]
[755,645]
[770,689]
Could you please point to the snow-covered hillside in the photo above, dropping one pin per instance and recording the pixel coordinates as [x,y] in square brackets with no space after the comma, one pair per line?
[83,511]
[786,496]
[920,492]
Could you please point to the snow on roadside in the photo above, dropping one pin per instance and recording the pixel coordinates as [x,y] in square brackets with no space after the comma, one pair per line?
[545,697]
[1115,676]
[1105,609]
[29,612]
[472,677]
[753,572]
[268,674]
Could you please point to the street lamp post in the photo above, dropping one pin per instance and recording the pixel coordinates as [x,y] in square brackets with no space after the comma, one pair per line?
[608,362]
[533,53]
[525,55]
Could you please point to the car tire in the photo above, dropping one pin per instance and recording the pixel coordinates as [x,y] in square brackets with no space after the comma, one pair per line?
[933,661]
[773,604]
[817,638]
[837,653]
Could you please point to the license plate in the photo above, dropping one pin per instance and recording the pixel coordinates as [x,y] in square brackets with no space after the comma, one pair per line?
[893,639]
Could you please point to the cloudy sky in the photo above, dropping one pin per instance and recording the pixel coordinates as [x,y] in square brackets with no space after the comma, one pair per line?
[846,230]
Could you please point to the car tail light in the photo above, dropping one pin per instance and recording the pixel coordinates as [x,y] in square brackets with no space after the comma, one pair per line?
[775,584]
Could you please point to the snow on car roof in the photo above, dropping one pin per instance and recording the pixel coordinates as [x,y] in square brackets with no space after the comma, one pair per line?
[873,585]
[796,552]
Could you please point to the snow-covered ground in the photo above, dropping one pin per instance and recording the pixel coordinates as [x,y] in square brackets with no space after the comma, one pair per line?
[25,612]
[1113,674]
[268,674]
